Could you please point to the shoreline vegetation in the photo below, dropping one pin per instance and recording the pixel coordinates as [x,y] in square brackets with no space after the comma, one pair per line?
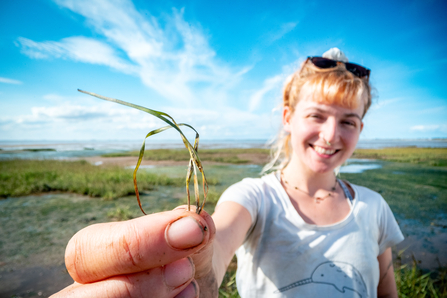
[423,156]
[411,179]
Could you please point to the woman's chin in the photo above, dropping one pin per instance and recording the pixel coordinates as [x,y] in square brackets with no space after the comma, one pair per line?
[323,168]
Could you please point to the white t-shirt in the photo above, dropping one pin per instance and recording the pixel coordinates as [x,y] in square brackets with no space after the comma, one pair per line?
[283,256]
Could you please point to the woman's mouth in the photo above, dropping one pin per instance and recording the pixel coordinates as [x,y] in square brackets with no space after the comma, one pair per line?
[323,151]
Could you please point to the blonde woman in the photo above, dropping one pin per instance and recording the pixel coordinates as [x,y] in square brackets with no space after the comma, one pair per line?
[297,232]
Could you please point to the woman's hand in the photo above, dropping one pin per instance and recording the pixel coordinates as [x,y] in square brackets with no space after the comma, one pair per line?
[166,254]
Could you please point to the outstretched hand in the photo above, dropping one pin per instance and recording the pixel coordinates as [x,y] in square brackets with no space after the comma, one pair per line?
[165,254]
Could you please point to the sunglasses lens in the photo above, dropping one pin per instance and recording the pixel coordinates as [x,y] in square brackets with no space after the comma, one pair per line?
[323,62]
[357,70]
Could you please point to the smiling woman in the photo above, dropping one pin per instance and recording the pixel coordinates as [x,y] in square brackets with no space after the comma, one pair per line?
[303,216]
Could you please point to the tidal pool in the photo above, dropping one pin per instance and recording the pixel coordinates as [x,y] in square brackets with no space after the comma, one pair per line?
[354,166]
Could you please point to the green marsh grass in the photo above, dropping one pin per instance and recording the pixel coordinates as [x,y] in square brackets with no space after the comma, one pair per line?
[413,191]
[413,282]
[231,156]
[24,177]
[120,213]
[422,156]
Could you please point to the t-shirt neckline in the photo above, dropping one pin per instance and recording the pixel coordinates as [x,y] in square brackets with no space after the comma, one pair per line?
[284,196]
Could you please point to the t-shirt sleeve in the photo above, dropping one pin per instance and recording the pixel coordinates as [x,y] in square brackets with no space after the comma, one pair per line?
[390,233]
[244,193]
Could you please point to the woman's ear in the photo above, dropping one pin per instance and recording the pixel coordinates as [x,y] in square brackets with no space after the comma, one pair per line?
[286,118]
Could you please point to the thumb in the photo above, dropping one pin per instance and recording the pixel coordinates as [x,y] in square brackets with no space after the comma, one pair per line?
[109,249]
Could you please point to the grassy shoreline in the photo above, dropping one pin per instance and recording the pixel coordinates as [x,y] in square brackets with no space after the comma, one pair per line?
[229,155]
[424,156]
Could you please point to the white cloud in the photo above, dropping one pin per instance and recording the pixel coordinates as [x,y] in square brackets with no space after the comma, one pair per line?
[434,110]
[273,83]
[101,121]
[173,60]
[429,128]
[10,81]
[76,48]
[176,60]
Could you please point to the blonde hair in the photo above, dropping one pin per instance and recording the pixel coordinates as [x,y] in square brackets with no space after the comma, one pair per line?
[334,85]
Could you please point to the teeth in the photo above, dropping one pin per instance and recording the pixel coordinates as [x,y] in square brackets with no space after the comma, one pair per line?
[324,151]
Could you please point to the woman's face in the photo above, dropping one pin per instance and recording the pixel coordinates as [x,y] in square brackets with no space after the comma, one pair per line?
[323,136]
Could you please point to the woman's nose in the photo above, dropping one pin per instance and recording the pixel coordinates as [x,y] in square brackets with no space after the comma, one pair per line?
[329,132]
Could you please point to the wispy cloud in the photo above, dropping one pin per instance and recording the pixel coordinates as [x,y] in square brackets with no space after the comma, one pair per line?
[381,103]
[76,48]
[275,35]
[273,83]
[175,59]
[10,81]
[172,60]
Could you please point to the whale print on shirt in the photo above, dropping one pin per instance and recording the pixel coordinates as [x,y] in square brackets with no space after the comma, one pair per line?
[342,276]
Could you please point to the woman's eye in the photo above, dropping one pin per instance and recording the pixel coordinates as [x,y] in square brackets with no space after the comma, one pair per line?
[350,123]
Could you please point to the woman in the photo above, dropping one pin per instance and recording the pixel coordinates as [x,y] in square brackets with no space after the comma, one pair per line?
[310,234]
[298,231]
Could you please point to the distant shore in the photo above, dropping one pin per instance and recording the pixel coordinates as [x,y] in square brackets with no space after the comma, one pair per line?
[60,145]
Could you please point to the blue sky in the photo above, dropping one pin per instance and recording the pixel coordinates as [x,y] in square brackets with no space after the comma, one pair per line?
[217,65]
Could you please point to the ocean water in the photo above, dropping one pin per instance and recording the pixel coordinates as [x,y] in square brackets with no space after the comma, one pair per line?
[76,149]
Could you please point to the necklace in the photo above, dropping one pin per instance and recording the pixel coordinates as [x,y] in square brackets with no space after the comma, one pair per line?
[317,199]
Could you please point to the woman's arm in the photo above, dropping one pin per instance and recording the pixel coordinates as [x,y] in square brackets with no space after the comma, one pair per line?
[232,222]
[387,284]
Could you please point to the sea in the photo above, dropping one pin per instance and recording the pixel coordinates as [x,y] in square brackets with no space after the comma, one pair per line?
[51,149]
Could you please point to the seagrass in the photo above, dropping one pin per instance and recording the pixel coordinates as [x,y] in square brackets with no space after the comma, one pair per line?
[194,162]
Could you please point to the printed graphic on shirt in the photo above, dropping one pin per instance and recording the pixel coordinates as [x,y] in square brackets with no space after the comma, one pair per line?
[342,276]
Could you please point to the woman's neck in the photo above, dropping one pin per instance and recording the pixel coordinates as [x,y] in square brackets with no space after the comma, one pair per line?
[298,175]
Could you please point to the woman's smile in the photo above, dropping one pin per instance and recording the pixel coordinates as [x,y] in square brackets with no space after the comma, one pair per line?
[323,151]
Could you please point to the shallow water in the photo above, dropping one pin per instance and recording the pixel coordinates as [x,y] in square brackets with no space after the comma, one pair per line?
[358,168]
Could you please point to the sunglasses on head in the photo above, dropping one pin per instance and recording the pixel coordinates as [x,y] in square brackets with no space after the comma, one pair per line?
[325,63]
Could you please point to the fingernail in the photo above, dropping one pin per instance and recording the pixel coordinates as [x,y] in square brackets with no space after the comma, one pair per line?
[178,272]
[184,233]
[189,292]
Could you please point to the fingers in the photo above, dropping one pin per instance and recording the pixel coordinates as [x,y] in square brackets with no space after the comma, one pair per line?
[205,276]
[105,250]
[172,280]
[203,258]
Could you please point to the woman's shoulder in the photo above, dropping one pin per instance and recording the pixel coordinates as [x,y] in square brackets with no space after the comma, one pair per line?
[366,195]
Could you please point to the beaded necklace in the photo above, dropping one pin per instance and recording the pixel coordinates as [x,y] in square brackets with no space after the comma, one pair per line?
[317,199]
